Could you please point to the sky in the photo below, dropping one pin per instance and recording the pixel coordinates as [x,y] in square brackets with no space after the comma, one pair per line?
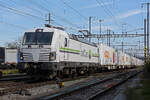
[17,16]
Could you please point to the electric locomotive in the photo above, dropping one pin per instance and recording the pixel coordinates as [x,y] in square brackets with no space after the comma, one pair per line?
[50,51]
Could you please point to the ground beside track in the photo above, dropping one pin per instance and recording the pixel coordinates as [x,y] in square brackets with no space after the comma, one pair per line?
[137,88]
[140,91]
[37,91]
[119,93]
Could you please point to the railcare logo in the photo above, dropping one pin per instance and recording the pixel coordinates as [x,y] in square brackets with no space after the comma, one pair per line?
[106,54]
[84,53]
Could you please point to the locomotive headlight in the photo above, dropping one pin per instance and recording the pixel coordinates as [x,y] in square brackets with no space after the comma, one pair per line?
[21,56]
[52,56]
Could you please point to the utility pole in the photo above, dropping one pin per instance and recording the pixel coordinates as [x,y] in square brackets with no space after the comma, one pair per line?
[148,31]
[123,28]
[122,46]
[100,28]
[145,49]
[109,37]
[139,43]
[90,22]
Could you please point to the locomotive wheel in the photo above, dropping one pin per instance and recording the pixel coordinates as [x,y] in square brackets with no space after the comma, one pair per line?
[73,75]
[52,75]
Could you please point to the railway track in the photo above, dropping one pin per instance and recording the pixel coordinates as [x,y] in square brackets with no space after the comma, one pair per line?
[91,90]
[10,87]
[13,77]
[17,87]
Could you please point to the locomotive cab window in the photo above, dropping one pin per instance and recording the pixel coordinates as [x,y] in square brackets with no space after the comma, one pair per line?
[44,38]
[66,42]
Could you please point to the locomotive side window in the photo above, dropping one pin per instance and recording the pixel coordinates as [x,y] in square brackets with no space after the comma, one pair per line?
[65,42]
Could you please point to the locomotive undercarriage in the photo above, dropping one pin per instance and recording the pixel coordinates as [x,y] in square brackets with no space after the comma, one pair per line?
[64,69]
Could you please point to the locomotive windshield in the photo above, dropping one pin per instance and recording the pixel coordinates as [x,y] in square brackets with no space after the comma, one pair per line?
[38,38]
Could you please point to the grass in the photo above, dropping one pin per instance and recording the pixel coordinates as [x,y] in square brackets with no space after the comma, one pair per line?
[10,71]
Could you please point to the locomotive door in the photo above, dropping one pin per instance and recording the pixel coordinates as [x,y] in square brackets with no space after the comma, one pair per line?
[66,44]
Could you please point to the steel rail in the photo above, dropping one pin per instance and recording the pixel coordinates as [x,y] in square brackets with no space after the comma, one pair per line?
[72,93]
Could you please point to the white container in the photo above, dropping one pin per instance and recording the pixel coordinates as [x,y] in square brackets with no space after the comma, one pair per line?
[108,55]
[11,56]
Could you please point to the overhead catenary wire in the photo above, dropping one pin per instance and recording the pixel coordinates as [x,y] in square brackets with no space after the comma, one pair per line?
[13,25]
[21,12]
[117,9]
[34,10]
[109,13]
[81,15]
[28,7]
[75,27]
[59,17]
[38,5]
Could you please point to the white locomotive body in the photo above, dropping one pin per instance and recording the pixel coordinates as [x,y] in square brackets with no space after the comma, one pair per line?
[51,52]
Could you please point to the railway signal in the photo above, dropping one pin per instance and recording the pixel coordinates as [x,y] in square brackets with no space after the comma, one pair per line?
[145,54]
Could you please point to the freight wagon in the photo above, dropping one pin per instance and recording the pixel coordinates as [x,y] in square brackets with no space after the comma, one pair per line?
[2,55]
[108,57]
[9,57]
